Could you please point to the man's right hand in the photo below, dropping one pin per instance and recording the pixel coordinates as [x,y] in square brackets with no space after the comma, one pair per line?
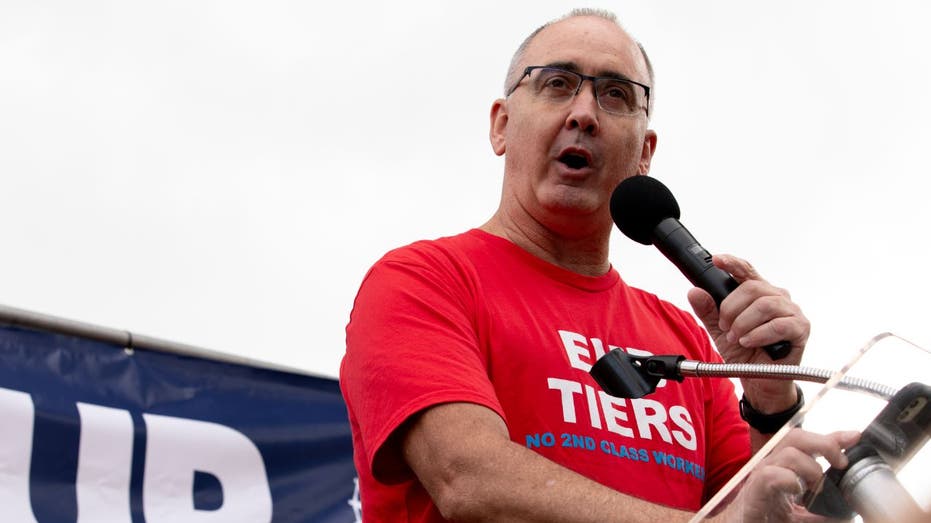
[774,487]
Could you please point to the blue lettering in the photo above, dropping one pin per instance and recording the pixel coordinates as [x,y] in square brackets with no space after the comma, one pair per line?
[659,457]
[535,441]
[532,441]
[576,441]
[566,439]
[689,468]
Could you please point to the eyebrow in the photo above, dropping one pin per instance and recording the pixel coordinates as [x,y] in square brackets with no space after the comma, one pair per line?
[605,73]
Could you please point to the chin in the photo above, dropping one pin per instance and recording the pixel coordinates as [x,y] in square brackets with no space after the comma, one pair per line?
[573,201]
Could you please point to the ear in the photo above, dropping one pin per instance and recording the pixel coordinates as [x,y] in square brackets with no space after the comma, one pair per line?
[646,155]
[498,124]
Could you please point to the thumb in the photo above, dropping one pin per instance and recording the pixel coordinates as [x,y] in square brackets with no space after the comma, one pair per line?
[704,307]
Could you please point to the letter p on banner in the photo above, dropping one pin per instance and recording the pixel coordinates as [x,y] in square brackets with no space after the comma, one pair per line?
[177,448]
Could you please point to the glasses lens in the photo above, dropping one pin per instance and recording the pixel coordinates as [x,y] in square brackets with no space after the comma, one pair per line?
[554,84]
[614,95]
[618,96]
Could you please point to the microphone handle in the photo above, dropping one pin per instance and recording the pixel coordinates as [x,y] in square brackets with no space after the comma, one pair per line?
[684,251]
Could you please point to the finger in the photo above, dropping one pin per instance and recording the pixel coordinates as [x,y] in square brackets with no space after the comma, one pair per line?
[792,329]
[767,320]
[739,268]
[804,465]
[779,487]
[705,309]
[744,297]
[843,440]
[829,446]
[801,515]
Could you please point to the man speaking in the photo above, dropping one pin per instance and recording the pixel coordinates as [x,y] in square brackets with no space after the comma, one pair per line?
[466,367]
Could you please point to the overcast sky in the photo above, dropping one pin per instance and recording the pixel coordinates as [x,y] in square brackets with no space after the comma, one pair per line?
[222,174]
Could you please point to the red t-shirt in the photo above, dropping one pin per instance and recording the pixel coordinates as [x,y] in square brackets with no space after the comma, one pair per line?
[474,318]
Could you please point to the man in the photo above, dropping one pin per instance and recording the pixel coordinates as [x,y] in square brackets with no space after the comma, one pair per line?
[466,366]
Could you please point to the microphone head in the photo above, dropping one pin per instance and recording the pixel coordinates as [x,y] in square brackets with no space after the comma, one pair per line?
[638,204]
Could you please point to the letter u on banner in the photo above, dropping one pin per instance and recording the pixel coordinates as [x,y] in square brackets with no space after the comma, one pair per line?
[104,464]
[17,412]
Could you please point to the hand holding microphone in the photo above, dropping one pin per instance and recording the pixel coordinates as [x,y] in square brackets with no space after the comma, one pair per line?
[646,211]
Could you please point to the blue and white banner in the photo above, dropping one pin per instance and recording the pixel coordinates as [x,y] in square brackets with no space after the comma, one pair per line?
[91,432]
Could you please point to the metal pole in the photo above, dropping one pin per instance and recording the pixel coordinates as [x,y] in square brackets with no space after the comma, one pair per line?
[129,341]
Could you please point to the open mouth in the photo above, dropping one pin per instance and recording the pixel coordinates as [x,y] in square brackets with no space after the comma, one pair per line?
[574,160]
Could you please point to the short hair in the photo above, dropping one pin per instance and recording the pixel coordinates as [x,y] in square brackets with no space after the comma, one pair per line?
[583,11]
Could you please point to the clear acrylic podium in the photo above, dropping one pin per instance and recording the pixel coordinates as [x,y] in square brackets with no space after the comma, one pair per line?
[890,480]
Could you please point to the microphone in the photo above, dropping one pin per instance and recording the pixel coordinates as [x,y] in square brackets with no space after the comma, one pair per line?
[646,211]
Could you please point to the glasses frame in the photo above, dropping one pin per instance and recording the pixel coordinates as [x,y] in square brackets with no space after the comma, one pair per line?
[583,77]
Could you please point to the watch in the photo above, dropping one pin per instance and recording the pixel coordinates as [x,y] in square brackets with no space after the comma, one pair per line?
[769,423]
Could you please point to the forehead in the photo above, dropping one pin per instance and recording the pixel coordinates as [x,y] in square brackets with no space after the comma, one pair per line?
[595,45]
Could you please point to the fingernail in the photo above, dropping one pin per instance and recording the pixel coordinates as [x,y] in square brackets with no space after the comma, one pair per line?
[730,337]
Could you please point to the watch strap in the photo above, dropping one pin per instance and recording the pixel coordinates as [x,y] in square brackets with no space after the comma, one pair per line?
[769,423]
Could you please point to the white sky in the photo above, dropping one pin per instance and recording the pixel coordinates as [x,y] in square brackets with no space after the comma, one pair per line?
[223,173]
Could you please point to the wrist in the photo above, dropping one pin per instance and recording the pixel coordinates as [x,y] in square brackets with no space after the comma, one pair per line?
[770,396]
[769,422]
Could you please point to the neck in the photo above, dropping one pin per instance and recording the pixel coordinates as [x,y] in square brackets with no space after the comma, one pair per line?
[585,254]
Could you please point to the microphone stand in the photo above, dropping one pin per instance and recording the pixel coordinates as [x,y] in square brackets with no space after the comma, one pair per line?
[627,376]
[868,485]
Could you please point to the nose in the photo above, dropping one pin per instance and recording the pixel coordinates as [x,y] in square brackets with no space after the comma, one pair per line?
[583,111]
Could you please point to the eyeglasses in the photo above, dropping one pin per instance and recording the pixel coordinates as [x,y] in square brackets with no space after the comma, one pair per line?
[615,95]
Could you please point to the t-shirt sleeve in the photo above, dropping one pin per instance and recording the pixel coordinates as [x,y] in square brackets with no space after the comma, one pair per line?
[411,343]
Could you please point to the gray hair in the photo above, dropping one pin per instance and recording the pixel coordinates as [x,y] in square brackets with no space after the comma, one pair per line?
[513,71]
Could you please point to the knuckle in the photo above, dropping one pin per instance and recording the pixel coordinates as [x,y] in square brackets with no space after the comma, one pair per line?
[780,327]
[770,306]
[755,286]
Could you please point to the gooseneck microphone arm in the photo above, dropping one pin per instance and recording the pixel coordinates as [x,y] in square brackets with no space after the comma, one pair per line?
[623,375]
[783,372]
